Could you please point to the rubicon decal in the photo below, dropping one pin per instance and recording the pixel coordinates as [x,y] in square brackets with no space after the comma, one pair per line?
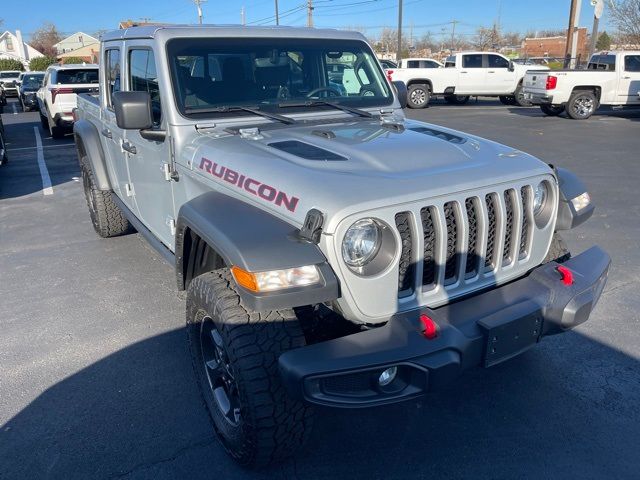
[251,185]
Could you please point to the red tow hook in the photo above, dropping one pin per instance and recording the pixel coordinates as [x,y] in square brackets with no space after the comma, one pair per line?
[430,327]
[566,274]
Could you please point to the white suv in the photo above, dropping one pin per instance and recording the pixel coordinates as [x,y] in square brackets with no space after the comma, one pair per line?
[57,96]
[9,81]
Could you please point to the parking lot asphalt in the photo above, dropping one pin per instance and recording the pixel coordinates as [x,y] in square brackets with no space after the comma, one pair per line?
[96,380]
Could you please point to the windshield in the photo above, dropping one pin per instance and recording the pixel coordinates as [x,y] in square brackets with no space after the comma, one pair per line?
[85,75]
[9,74]
[30,80]
[210,74]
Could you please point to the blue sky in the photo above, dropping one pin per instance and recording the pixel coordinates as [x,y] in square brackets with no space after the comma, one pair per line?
[426,15]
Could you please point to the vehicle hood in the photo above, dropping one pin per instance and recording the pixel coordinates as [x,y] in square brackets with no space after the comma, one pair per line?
[368,166]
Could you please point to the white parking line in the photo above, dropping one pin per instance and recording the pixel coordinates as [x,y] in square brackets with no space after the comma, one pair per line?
[47,189]
[44,147]
[15,110]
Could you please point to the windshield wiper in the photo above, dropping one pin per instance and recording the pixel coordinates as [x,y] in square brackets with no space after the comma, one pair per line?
[254,110]
[311,103]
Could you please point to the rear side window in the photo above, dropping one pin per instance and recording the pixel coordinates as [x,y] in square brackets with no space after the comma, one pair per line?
[496,61]
[632,63]
[143,77]
[450,62]
[413,64]
[472,61]
[602,62]
[77,75]
[113,82]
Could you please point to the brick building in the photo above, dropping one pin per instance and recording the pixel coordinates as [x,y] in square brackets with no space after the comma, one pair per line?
[554,46]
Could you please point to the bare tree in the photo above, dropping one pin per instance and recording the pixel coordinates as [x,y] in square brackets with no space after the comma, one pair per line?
[625,15]
[486,38]
[45,38]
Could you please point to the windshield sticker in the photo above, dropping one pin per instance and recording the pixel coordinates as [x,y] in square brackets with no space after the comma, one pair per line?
[251,185]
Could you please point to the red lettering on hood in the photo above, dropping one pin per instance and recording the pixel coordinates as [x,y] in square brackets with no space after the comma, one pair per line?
[251,185]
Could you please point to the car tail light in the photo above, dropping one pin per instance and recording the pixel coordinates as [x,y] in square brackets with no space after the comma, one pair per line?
[57,91]
[389,73]
[551,82]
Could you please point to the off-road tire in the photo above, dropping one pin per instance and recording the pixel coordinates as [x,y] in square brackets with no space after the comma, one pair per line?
[44,122]
[582,104]
[508,100]
[519,99]
[558,251]
[552,110]
[271,425]
[418,96]
[57,132]
[457,99]
[107,218]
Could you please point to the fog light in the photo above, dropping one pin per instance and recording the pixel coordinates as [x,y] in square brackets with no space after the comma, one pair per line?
[581,201]
[387,376]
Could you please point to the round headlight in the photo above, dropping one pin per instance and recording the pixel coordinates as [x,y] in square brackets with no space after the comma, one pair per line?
[540,197]
[361,242]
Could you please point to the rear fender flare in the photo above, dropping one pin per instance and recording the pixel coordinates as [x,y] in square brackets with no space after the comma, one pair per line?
[88,145]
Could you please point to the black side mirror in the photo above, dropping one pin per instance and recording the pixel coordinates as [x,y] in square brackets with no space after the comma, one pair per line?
[401,91]
[512,67]
[133,110]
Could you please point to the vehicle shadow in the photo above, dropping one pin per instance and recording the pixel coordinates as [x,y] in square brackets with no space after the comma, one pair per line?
[565,409]
[630,114]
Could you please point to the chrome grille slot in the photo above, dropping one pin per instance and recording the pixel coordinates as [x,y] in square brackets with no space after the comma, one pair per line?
[525,232]
[452,258]
[489,260]
[406,267]
[427,217]
[473,257]
[508,227]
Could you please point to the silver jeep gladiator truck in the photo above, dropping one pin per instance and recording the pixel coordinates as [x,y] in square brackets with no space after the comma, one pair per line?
[333,252]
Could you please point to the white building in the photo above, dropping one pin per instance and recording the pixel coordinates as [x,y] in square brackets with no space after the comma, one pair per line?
[12,46]
[74,42]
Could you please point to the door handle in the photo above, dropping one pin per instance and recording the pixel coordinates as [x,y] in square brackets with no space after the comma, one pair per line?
[107,133]
[491,71]
[626,78]
[463,72]
[127,147]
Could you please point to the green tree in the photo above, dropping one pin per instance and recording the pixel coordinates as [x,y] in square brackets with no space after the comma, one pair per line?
[11,64]
[41,63]
[603,42]
[68,60]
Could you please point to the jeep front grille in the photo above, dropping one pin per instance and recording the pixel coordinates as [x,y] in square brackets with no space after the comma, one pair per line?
[464,240]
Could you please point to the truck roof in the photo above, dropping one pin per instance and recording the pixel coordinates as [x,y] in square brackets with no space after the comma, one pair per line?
[70,66]
[218,31]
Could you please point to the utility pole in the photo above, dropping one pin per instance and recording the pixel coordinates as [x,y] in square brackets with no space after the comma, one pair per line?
[453,34]
[598,7]
[568,47]
[199,7]
[277,14]
[309,13]
[399,49]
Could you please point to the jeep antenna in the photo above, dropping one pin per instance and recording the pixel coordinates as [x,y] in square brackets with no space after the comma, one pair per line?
[199,7]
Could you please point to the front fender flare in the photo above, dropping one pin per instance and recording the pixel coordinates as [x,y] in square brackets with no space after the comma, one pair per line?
[256,241]
[570,187]
[88,144]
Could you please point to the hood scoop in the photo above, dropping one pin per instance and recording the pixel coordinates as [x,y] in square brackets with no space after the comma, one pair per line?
[306,151]
[448,137]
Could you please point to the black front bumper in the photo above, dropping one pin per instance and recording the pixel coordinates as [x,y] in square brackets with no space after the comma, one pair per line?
[482,330]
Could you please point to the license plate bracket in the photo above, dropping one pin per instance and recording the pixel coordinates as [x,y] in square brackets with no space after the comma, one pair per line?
[507,337]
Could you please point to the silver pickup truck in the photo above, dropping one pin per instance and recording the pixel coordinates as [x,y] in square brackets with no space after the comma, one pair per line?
[333,252]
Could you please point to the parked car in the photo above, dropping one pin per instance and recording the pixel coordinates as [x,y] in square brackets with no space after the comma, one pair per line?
[3,146]
[611,78]
[58,93]
[3,98]
[388,64]
[333,251]
[9,81]
[31,83]
[419,63]
[465,74]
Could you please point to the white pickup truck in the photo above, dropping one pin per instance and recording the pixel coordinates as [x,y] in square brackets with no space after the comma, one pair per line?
[465,74]
[611,78]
